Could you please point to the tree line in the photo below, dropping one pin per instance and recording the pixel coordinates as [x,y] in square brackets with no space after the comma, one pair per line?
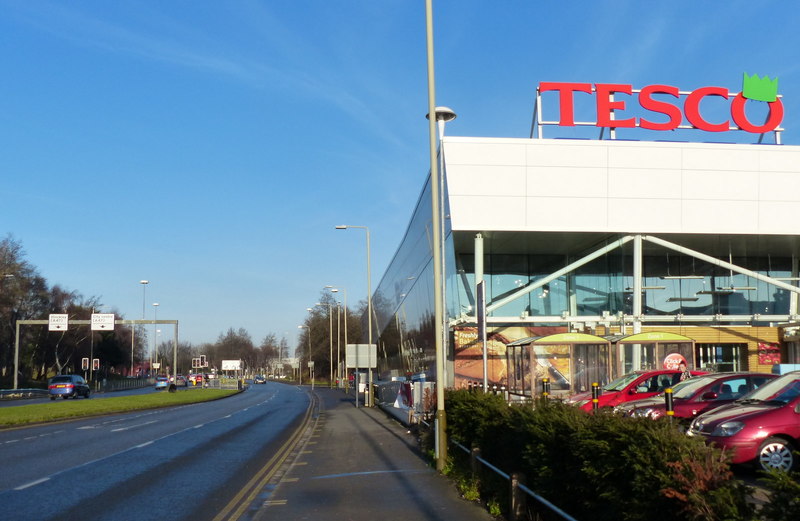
[26,295]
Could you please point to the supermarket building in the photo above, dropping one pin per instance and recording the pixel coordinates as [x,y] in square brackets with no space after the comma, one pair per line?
[601,256]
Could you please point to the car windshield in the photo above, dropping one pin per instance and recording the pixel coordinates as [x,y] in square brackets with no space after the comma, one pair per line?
[687,388]
[782,390]
[60,379]
[620,383]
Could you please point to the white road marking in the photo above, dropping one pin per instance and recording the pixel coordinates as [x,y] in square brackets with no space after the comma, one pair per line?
[32,483]
[134,426]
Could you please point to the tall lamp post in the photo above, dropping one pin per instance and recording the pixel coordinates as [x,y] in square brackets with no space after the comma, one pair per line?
[144,284]
[300,362]
[154,352]
[334,289]
[369,306]
[441,117]
[330,339]
[330,336]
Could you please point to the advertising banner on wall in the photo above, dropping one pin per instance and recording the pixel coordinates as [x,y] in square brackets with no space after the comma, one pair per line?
[768,354]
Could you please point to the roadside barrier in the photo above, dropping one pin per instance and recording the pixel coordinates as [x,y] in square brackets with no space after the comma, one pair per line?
[21,394]
[519,492]
[106,386]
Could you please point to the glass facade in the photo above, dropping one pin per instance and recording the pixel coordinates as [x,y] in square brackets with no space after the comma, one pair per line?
[403,301]
[606,285]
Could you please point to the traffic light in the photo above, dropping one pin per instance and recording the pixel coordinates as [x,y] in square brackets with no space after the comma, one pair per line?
[85,364]
[203,361]
[96,364]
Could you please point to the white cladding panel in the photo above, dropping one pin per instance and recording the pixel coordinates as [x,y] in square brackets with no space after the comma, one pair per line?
[621,186]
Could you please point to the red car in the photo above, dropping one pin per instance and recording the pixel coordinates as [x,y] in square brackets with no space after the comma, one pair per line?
[762,427]
[698,395]
[632,386]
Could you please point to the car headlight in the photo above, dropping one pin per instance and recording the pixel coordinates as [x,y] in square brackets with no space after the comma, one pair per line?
[728,428]
[643,412]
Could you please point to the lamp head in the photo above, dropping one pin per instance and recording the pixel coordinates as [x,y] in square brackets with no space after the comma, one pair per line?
[341,226]
[443,114]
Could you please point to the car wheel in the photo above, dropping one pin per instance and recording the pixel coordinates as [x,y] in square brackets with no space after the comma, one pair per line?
[776,453]
[52,397]
[87,394]
[65,396]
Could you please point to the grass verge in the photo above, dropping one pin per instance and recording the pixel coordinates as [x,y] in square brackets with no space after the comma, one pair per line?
[81,407]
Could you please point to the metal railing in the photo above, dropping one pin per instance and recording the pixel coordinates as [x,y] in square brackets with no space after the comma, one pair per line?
[518,503]
[22,394]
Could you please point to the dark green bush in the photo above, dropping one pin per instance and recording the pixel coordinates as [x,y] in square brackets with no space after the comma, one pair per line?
[784,496]
[600,466]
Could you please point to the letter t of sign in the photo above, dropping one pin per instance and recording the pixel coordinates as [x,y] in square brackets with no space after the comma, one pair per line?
[566,102]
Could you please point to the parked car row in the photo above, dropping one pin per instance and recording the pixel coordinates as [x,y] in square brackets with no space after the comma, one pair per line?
[633,386]
[698,395]
[755,416]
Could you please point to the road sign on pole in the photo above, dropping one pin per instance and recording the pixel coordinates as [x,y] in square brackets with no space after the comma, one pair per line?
[361,356]
[102,321]
[58,322]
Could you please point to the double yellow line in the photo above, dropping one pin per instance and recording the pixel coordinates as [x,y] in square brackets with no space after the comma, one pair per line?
[245,497]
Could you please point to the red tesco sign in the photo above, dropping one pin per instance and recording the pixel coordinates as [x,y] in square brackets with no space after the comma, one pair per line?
[606,105]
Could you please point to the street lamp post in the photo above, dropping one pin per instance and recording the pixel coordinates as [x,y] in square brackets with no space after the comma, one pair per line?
[338,349]
[330,339]
[154,352]
[435,116]
[300,362]
[369,306]
[133,329]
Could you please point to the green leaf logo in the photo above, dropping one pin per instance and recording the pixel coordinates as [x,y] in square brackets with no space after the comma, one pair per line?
[759,89]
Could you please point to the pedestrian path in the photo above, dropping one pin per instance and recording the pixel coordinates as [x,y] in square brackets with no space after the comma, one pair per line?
[359,464]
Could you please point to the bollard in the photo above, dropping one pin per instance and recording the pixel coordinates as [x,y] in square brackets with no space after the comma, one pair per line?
[545,388]
[595,395]
[474,464]
[504,391]
[518,498]
[494,389]
[668,402]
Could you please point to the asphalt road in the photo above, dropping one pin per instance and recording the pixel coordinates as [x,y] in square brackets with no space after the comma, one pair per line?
[179,463]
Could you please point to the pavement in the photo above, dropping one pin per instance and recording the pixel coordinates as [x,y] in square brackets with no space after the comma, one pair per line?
[359,464]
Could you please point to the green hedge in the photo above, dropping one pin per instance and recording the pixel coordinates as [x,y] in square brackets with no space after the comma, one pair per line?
[595,466]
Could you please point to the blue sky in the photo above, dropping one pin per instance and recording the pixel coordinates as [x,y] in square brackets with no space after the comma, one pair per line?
[211,147]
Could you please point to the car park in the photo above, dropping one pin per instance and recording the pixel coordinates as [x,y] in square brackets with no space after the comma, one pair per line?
[632,386]
[763,427]
[698,395]
[68,386]
[162,382]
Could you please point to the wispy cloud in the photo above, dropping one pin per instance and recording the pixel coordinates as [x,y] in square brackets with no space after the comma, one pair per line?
[281,60]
